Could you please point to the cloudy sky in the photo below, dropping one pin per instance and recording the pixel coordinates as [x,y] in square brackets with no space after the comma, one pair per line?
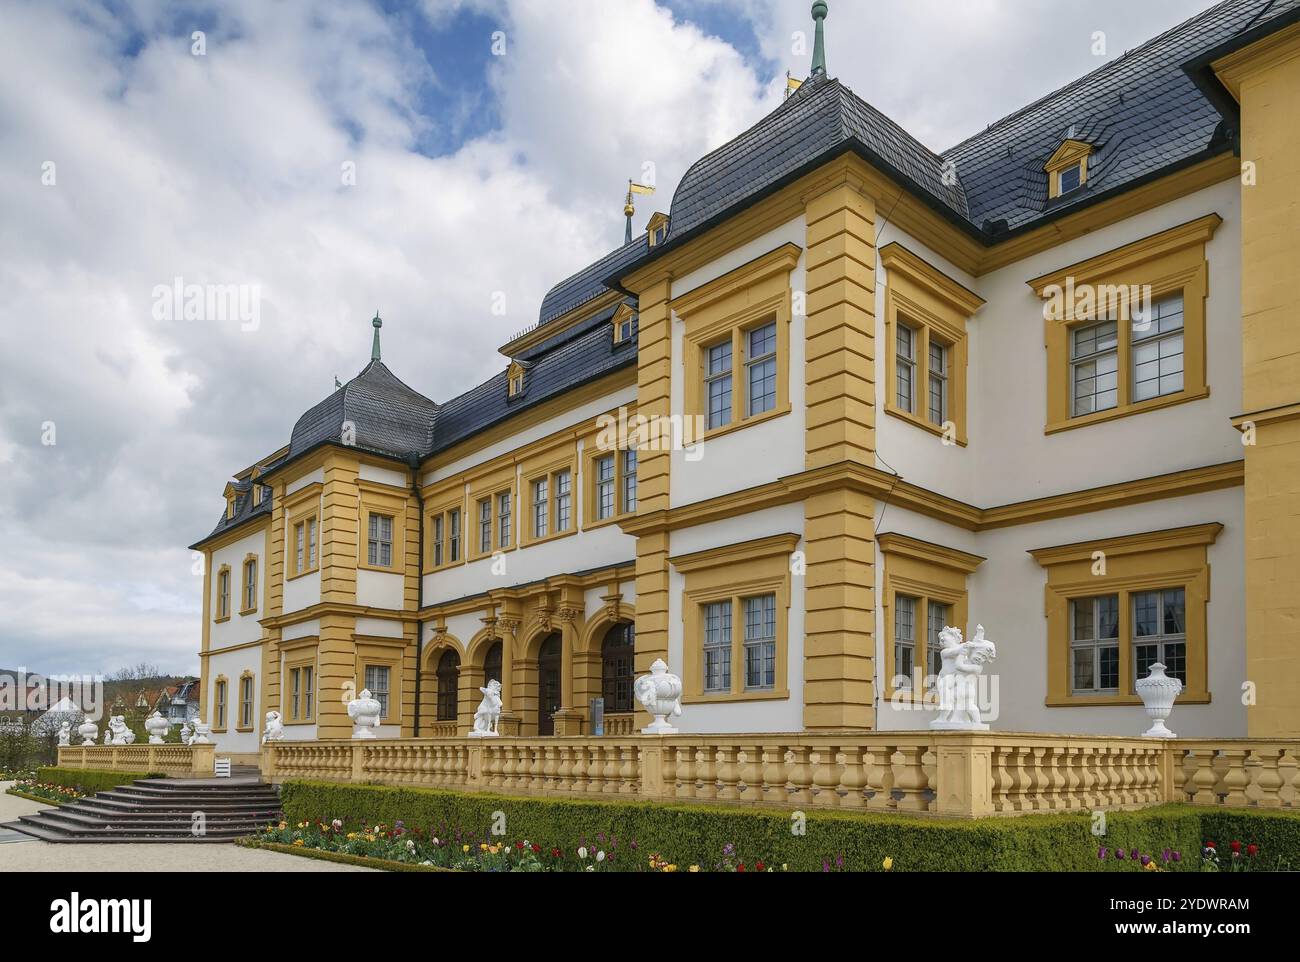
[428,160]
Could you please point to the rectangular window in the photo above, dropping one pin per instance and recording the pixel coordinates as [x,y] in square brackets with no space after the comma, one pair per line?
[1158,349]
[605,487]
[939,616]
[905,372]
[485,525]
[1070,179]
[503,519]
[453,519]
[625,329]
[299,537]
[1160,632]
[938,376]
[377,684]
[541,507]
[629,481]
[250,584]
[295,685]
[437,540]
[760,369]
[904,640]
[1094,644]
[760,642]
[379,548]
[717,646]
[311,542]
[563,500]
[246,702]
[308,693]
[1094,367]
[717,385]
[220,720]
[223,593]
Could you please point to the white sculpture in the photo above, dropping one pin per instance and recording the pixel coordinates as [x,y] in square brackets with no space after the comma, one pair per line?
[200,736]
[108,732]
[121,735]
[157,727]
[958,682]
[1158,691]
[88,731]
[187,733]
[487,719]
[660,693]
[364,711]
[274,730]
[65,734]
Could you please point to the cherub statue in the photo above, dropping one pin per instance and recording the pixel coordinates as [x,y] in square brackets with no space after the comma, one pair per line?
[274,731]
[201,731]
[187,733]
[65,734]
[958,682]
[487,719]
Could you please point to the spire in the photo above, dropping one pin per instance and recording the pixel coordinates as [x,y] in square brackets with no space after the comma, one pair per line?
[374,350]
[819,11]
[629,209]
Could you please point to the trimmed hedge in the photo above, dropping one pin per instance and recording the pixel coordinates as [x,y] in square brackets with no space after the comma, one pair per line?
[1277,833]
[689,834]
[90,780]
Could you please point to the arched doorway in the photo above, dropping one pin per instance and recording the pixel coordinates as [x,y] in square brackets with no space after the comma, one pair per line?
[617,667]
[548,683]
[492,663]
[448,674]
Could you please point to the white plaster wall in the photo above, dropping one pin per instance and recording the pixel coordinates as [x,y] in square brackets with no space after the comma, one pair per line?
[232,664]
[763,452]
[379,589]
[757,716]
[1006,596]
[303,592]
[240,628]
[311,477]
[303,629]
[370,472]
[379,627]
[1010,459]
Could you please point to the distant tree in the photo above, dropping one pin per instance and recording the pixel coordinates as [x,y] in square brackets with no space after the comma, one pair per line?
[144,671]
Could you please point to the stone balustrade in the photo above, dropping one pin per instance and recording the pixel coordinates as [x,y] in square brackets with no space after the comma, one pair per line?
[184,761]
[956,774]
[621,723]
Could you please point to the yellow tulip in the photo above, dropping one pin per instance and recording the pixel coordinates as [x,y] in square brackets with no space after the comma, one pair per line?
[888,863]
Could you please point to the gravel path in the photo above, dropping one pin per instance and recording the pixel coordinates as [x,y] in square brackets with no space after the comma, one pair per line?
[22,853]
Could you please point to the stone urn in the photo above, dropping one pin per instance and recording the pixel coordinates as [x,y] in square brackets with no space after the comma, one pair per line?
[201,732]
[660,693]
[1158,691]
[157,727]
[88,731]
[364,711]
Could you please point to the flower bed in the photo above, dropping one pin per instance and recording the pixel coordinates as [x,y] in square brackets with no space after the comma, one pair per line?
[44,791]
[403,847]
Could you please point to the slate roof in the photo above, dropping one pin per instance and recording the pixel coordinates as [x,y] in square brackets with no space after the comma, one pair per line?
[245,510]
[589,283]
[386,416]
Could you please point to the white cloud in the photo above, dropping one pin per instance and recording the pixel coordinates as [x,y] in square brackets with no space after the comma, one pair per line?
[225,169]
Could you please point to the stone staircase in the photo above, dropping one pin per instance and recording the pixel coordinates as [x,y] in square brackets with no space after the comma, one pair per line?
[160,810]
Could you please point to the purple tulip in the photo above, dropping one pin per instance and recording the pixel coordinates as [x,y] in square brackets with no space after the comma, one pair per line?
[1119,854]
[1102,852]
[1146,860]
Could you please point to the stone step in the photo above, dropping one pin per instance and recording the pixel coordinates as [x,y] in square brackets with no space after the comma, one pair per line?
[98,817]
[49,834]
[101,807]
[77,824]
[192,798]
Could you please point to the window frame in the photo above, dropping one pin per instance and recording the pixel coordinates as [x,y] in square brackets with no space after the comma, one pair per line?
[497,483]
[220,703]
[247,680]
[224,589]
[726,310]
[726,577]
[1170,262]
[1150,561]
[937,309]
[548,468]
[383,500]
[373,651]
[927,574]
[440,518]
[592,456]
[248,593]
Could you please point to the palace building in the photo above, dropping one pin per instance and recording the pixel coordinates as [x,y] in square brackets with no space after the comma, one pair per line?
[1046,381]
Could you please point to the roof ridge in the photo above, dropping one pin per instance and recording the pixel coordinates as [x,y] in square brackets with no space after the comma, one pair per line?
[1108,65]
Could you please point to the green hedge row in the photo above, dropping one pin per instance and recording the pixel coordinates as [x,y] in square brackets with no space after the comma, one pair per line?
[1277,833]
[90,780]
[341,857]
[696,834]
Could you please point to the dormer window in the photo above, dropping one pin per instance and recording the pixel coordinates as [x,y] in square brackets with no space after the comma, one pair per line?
[624,322]
[1067,168]
[657,228]
[515,379]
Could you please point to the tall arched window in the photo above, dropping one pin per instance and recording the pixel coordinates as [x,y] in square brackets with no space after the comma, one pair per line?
[492,663]
[548,683]
[617,667]
[448,679]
